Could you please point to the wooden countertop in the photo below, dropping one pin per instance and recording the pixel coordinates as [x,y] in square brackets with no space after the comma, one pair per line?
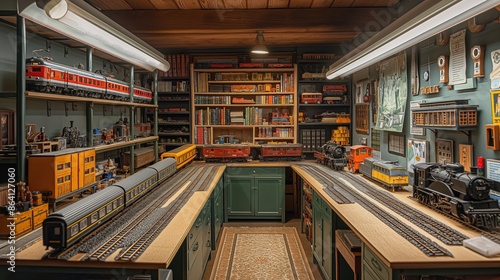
[394,250]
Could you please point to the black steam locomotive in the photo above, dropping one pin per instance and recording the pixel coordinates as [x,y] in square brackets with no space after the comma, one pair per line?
[451,190]
[332,155]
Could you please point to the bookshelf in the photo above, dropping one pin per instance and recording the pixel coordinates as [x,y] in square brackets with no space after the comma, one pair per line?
[256,105]
[324,106]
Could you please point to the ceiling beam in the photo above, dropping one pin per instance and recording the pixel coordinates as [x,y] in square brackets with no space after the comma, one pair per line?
[215,21]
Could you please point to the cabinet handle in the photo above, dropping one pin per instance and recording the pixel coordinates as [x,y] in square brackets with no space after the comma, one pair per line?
[375,264]
[196,246]
[208,243]
[320,226]
[190,235]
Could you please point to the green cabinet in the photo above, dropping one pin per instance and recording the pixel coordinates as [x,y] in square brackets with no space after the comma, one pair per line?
[254,193]
[217,212]
[323,245]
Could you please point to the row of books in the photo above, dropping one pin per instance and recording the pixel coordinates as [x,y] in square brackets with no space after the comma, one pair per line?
[260,99]
[204,83]
[179,66]
[312,139]
[277,132]
[202,135]
[224,116]
[173,86]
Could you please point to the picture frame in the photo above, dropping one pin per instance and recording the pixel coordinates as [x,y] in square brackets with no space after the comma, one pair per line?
[444,151]
[397,144]
[495,106]
[416,152]
[362,118]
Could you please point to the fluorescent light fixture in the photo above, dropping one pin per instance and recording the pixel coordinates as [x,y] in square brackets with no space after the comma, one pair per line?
[78,20]
[260,48]
[424,21]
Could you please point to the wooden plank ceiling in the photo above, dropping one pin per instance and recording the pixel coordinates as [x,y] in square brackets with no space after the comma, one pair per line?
[184,25]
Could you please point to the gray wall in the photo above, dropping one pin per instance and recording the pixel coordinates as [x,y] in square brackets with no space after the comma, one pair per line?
[428,53]
[36,110]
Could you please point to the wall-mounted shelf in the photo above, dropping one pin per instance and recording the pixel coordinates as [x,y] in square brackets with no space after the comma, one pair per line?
[117,145]
[67,98]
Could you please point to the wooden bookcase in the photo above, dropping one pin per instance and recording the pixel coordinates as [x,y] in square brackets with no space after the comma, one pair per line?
[255,105]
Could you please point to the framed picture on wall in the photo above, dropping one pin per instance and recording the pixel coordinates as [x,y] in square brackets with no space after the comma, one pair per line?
[362,118]
[416,151]
[397,144]
[495,106]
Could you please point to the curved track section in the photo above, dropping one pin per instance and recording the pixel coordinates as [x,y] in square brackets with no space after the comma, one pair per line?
[140,223]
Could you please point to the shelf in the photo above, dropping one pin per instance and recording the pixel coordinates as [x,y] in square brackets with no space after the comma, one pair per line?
[173,92]
[173,100]
[324,105]
[173,134]
[244,105]
[274,138]
[68,98]
[246,93]
[171,144]
[173,123]
[171,113]
[117,145]
[245,70]
[242,126]
[324,123]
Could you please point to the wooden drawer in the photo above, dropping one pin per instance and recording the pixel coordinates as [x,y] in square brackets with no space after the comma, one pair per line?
[195,230]
[39,214]
[24,224]
[368,274]
[375,264]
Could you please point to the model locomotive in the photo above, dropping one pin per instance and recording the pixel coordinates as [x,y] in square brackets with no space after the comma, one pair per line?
[389,174]
[464,195]
[43,75]
[332,155]
[63,228]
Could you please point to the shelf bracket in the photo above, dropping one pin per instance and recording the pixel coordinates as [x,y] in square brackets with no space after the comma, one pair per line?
[49,109]
[74,106]
[434,131]
[469,136]
[104,109]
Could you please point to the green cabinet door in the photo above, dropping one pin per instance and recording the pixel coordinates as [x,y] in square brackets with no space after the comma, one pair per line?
[269,197]
[327,247]
[240,197]
[318,235]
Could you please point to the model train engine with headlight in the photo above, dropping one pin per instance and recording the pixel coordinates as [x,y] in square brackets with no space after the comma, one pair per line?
[44,75]
[449,189]
[332,155]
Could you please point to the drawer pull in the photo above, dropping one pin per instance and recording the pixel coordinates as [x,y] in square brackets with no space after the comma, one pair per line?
[376,264]
[190,235]
[196,246]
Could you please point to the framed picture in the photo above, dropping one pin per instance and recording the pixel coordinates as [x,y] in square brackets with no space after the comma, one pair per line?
[362,118]
[495,106]
[493,169]
[396,144]
[416,151]
[444,151]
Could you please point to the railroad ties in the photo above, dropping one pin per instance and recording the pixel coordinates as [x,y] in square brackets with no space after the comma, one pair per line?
[135,229]
[423,243]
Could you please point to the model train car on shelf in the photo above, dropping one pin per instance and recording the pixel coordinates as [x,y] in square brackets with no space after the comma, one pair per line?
[226,152]
[43,75]
[281,152]
[449,189]
[357,155]
[332,155]
[388,173]
[63,228]
[183,154]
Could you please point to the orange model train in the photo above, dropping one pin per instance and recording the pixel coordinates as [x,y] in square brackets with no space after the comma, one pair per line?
[357,155]
[43,75]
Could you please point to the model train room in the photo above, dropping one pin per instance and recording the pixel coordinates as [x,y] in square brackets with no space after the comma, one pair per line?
[295,139]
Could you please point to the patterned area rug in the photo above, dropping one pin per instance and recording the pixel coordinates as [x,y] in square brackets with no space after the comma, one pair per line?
[260,253]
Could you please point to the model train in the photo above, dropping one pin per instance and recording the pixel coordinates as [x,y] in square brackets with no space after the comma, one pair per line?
[357,155]
[451,190]
[226,152]
[388,173]
[43,75]
[332,155]
[63,228]
[281,152]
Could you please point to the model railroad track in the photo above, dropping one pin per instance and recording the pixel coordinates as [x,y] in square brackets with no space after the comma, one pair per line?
[423,243]
[490,234]
[135,250]
[132,222]
[444,233]
[328,183]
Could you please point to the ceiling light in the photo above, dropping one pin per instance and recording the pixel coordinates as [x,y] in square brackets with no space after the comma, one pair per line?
[424,21]
[78,20]
[260,48]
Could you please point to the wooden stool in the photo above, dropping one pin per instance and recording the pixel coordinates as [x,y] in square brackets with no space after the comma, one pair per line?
[348,244]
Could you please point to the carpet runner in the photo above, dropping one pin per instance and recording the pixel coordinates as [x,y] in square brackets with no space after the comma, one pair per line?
[260,253]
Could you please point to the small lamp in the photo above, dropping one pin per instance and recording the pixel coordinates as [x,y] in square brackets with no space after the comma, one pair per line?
[260,48]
